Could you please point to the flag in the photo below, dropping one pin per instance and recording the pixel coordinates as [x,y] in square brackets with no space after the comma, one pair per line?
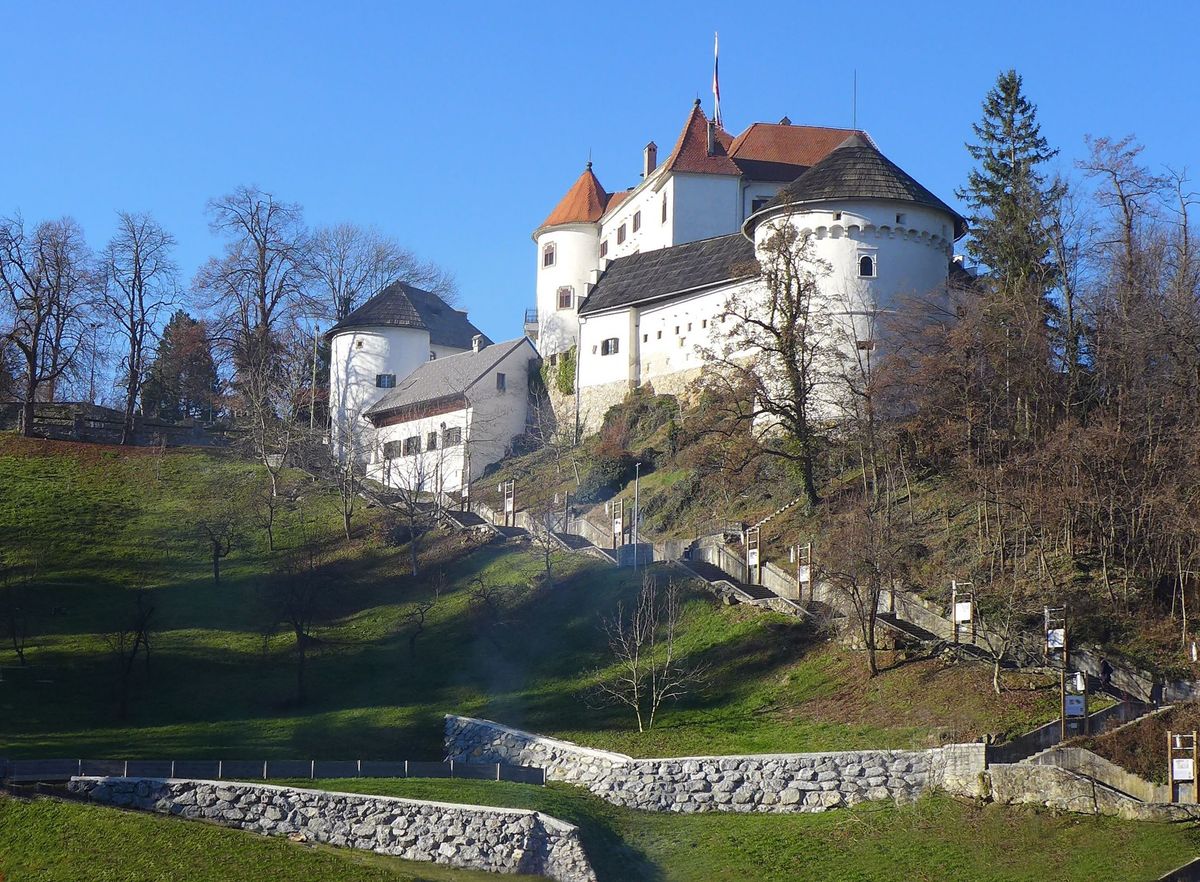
[716,85]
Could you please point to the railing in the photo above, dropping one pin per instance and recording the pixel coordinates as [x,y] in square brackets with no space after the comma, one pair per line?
[531,316]
[27,771]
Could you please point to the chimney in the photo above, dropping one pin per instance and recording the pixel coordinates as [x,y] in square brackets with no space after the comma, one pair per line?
[477,342]
[712,138]
[649,159]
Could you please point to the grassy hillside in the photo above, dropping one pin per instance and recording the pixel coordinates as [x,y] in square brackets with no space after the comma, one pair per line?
[107,521]
[937,838]
[65,842]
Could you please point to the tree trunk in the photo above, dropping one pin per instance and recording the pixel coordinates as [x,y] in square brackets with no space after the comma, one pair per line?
[216,555]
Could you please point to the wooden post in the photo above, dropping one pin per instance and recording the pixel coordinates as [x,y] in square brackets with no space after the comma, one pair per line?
[1062,705]
[1195,783]
[1170,768]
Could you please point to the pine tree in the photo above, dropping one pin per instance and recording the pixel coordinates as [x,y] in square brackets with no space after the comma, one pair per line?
[1008,194]
[183,378]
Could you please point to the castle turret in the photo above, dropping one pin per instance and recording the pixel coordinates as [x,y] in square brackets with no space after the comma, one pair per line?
[568,252]
[884,236]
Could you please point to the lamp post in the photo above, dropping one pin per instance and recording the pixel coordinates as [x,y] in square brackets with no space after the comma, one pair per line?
[637,511]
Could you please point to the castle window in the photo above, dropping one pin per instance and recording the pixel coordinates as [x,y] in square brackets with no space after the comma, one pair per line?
[412,445]
[431,441]
[866,266]
[837,215]
[358,345]
[759,204]
[689,326]
[664,208]
[682,340]
[452,437]
[391,449]
[432,355]
[866,345]
[658,336]
[604,248]
[566,295]
[609,346]
[501,382]
[385,381]
[900,218]
[637,221]
[645,338]
[549,255]
[704,323]
[620,234]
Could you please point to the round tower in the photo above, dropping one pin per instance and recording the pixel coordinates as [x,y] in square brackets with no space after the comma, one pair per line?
[568,252]
[883,236]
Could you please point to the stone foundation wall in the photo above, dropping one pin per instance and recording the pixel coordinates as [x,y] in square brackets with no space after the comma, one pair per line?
[471,837]
[1062,790]
[797,782]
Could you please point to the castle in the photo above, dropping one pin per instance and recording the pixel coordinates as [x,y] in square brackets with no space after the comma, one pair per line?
[635,281]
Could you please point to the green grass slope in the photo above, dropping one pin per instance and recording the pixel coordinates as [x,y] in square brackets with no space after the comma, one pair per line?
[217,686]
[51,841]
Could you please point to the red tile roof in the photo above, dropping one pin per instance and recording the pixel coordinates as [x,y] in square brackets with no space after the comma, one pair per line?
[584,202]
[691,150]
[785,143]
[615,199]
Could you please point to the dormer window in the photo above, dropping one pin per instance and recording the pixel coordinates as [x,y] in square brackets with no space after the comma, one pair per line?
[621,234]
[866,267]
[637,221]
[566,297]
[549,255]
[759,204]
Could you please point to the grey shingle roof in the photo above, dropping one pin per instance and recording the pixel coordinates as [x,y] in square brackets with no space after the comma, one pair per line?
[855,170]
[658,274]
[404,306]
[446,377]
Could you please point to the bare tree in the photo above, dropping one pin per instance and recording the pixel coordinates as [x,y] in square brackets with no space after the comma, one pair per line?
[219,533]
[415,478]
[351,263]
[139,283]
[299,594]
[416,616]
[125,644]
[488,605]
[46,281]
[543,539]
[769,365]
[649,670]
[16,604]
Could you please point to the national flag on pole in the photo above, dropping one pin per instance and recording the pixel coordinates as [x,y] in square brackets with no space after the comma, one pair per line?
[716,84]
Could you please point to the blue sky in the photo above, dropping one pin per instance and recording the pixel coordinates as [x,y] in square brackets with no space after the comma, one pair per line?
[456,127]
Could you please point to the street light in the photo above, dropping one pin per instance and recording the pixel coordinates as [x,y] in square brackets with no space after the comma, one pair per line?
[637,511]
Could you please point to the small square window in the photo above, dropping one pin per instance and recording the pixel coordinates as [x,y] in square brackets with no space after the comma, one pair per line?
[358,345]
[682,340]
[385,381]
[501,382]
[659,336]
[704,323]
[431,441]
[452,437]
[866,345]
[620,234]
[391,449]
[677,329]
[610,346]
[645,338]
[900,218]
[637,221]
[412,445]
[758,204]
[689,326]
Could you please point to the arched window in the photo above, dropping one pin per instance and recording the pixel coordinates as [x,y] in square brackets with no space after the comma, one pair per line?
[866,266]
[549,255]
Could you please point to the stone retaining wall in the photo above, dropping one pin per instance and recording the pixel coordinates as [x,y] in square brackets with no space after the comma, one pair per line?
[797,782]
[472,837]
[1062,790]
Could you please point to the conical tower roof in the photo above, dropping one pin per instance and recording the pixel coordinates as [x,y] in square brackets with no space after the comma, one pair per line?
[856,169]
[584,202]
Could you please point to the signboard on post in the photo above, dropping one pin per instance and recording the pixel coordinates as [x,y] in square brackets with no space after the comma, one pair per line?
[1056,638]
[618,522]
[962,608]
[1181,763]
[753,556]
[1075,705]
[509,489]
[962,612]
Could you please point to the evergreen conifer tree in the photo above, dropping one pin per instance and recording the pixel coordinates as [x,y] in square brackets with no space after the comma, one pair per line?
[1008,193]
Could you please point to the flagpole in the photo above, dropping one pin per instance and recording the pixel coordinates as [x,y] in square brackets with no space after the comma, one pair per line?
[716,82]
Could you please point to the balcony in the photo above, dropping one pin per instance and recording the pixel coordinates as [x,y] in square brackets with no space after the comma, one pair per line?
[531,324]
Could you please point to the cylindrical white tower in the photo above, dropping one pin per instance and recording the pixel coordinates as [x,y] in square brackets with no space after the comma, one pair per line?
[568,252]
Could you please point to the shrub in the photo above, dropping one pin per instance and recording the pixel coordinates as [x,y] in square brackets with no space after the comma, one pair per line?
[605,475]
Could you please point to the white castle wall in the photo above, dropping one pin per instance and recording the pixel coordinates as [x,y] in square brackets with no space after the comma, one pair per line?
[577,254]
[357,356]
[705,206]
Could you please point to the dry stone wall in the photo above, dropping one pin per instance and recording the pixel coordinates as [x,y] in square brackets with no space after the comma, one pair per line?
[471,837]
[797,782]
